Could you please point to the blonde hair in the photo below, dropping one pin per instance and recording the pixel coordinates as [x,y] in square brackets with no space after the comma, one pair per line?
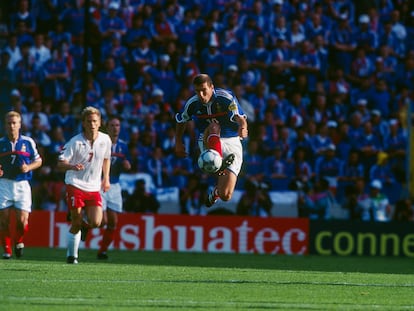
[88,111]
[12,114]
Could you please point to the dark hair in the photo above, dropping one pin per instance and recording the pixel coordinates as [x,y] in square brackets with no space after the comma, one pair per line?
[201,79]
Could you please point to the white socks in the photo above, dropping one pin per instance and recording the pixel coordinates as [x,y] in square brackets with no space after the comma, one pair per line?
[73,244]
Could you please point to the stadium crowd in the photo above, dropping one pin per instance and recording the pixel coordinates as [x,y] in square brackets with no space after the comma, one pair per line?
[327,87]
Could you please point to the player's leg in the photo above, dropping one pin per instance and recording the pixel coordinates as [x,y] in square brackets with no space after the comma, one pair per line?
[225,185]
[112,200]
[23,207]
[22,226]
[94,215]
[212,137]
[224,189]
[108,234]
[5,238]
[75,203]
[74,235]
[227,178]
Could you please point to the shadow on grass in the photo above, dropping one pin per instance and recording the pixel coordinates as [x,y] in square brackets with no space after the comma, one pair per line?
[387,265]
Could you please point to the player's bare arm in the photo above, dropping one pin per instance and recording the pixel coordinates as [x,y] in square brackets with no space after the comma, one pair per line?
[31,166]
[105,175]
[64,165]
[243,130]
[179,145]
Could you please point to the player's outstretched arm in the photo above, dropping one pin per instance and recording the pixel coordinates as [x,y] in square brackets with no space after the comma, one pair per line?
[243,130]
[179,145]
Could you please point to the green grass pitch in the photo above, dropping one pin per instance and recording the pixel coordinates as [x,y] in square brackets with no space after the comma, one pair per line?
[186,281]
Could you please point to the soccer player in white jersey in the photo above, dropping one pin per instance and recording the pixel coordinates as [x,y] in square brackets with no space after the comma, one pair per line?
[221,123]
[18,158]
[112,199]
[86,159]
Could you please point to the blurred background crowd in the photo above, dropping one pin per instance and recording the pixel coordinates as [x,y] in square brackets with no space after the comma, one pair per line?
[326,85]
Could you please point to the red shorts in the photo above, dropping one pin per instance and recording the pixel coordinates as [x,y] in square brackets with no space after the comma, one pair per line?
[77,198]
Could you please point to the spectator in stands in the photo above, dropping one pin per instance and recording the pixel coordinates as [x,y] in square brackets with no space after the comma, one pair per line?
[56,78]
[36,108]
[109,77]
[118,51]
[164,76]
[277,170]
[352,169]
[395,145]
[381,170]
[111,24]
[321,141]
[39,52]
[258,56]
[4,28]
[187,29]
[73,19]
[212,60]
[23,36]
[319,111]
[58,35]
[381,98]
[38,134]
[322,198]
[370,145]
[380,127]
[356,200]
[24,15]
[389,65]
[343,43]
[255,200]
[253,162]
[302,169]
[159,168]
[141,201]
[27,76]
[13,49]
[192,196]
[328,166]
[7,81]
[365,37]
[355,130]
[162,31]
[379,206]
[246,105]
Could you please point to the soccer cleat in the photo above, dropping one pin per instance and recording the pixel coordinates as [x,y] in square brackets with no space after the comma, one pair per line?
[6,256]
[84,233]
[227,161]
[72,260]
[18,250]
[102,256]
[211,198]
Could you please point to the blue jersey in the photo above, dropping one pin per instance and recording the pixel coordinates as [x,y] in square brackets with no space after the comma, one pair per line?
[13,157]
[119,153]
[222,108]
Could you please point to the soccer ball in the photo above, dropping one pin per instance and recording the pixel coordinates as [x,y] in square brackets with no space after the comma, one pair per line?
[210,161]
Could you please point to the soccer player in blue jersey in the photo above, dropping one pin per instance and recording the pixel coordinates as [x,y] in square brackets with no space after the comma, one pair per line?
[18,158]
[112,199]
[221,125]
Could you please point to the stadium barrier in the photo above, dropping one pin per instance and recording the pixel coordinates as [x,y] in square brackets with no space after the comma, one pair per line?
[234,234]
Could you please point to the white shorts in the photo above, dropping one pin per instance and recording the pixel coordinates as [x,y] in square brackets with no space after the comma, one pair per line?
[230,145]
[112,199]
[15,193]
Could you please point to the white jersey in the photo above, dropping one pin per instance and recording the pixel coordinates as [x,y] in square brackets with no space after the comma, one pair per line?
[79,151]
